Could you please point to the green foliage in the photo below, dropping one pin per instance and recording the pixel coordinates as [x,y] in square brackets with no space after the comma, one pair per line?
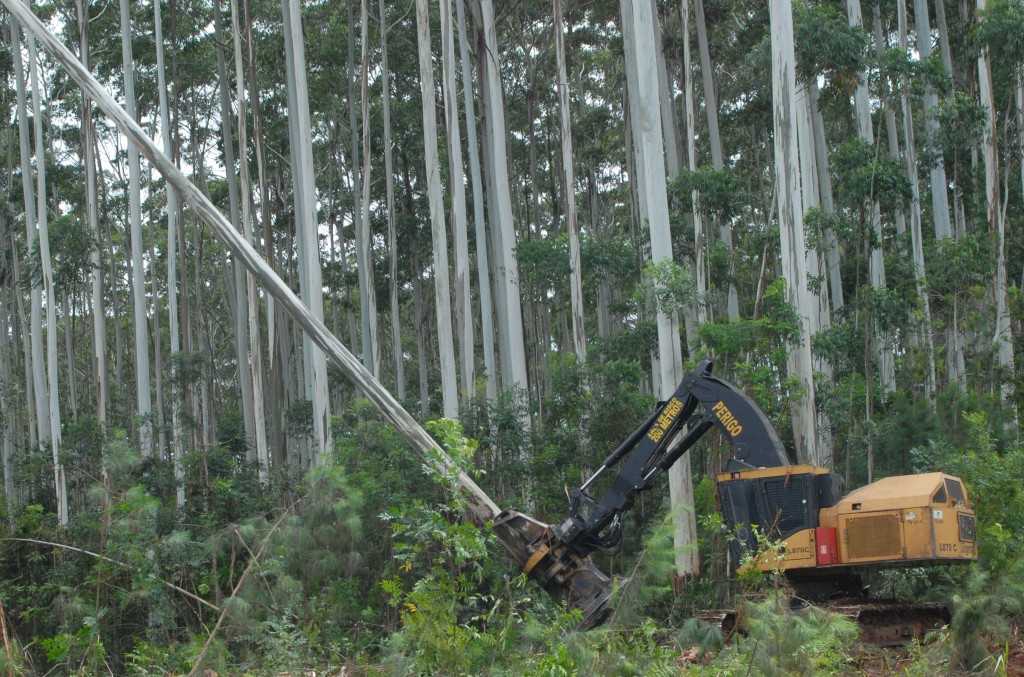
[826,44]
[667,287]
[780,641]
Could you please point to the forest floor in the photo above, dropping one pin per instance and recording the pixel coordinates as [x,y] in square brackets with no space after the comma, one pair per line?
[872,661]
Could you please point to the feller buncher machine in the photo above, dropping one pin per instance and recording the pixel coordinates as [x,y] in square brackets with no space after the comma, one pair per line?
[826,539]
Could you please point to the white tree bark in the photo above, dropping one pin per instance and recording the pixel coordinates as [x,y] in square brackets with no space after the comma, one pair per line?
[937,172]
[367,289]
[700,243]
[1003,337]
[241,303]
[651,171]
[389,182]
[482,262]
[916,234]
[512,340]
[99,320]
[59,482]
[791,227]
[174,328]
[252,294]
[579,331]
[463,297]
[34,355]
[439,235]
[139,314]
[715,141]
[862,109]
[305,201]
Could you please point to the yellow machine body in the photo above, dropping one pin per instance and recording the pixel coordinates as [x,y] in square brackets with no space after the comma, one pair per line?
[909,520]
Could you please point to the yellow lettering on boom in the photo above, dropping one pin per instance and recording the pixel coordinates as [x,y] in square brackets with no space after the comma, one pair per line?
[729,421]
[665,420]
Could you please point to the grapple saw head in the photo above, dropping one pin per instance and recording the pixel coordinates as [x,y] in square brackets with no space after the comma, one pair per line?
[563,573]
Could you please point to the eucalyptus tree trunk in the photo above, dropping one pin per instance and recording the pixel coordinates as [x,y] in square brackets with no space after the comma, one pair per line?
[824,184]
[99,320]
[370,321]
[367,289]
[640,24]
[143,397]
[389,182]
[304,190]
[890,115]
[916,234]
[937,171]
[463,296]
[512,338]
[238,272]
[791,226]
[579,332]
[482,263]
[699,238]
[252,294]
[34,352]
[439,236]
[364,270]
[276,367]
[173,209]
[6,408]
[1003,337]
[715,141]
[60,485]
[886,369]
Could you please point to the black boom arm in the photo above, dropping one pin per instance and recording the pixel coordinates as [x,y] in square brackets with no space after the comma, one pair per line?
[649,451]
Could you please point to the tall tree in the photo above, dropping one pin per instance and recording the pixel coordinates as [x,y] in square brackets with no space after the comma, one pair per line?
[139,312]
[439,236]
[1003,337]
[512,343]
[579,330]
[46,265]
[40,432]
[791,226]
[306,223]
[252,295]
[389,182]
[463,297]
[640,22]
[482,263]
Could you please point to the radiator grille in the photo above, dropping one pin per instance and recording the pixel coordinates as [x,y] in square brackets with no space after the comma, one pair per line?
[874,536]
[787,505]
